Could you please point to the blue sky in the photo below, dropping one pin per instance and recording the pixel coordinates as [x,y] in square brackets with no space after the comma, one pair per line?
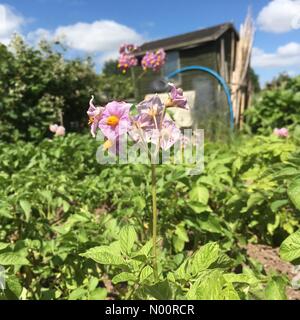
[98,27]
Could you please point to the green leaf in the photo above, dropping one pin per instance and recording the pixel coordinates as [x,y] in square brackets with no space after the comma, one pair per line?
[210,223]
[294,193]
[208,287]
[275,289]
[223,262]
[128,237]
[12,258]
[13,287]
[139,203]
[25,205]
[199,194]
[146,273]
[180,237]
[77,294]
[290,248]
[286,173]
[181,233]
[3,245]
[278,204]
[71,221]
[102,255]
[47,195]
[254,199]
[123,277]
[240,278]
[146,249]
[230,293]
[93,283]
[178,244]
[171,277]
[203,258]
[159,291]
[199,207]
[236,165]
[98,294]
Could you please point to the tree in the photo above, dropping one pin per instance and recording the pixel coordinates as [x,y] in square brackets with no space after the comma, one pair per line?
[36,85]
[110,68]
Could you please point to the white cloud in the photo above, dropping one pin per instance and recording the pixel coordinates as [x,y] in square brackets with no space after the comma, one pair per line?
[285,56]
[280,16]
[10,22]
[103,36]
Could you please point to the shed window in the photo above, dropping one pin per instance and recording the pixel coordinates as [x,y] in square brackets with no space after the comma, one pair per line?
[172,64]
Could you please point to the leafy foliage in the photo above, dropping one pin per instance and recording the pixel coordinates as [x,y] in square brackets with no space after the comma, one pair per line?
[70,229]
[115,87]
[275,107]
[38,84]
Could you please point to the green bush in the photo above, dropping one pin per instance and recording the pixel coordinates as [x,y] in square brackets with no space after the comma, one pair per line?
[115,87]
[275,107]
[36,85]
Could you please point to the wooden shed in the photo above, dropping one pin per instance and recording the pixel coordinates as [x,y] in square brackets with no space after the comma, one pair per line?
[214,47]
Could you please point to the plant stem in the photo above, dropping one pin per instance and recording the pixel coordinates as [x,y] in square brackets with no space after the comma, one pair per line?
[154,221]
[135,91]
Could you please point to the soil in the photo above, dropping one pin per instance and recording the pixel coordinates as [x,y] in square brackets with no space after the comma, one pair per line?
[269,258]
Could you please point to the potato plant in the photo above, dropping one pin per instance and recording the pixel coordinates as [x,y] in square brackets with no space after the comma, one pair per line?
[73,229]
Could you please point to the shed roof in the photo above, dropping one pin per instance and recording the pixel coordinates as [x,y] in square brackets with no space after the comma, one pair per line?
[188,39]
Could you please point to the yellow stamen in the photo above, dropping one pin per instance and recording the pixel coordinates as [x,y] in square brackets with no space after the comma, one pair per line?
[169,103]
[91,120]
[153,111]
[107,145]
[112,121]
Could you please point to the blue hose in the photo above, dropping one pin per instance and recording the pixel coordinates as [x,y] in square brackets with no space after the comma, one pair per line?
[215,75]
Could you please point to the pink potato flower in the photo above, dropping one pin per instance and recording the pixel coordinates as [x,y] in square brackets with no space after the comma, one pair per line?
[167,136]
[61,131]
[53,127]
[282,133]
[148,126]
[140,125]
[58,130]
[94,114]
[127,61]
[127,58]
[154,60]
[115,120]
[176,98]
[150,113]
